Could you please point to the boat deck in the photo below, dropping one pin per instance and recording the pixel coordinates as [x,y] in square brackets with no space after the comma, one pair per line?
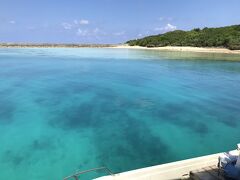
[199,168]
[207,173]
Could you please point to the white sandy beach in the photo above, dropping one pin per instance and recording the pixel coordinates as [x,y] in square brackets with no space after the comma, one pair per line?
[124,46]
[184,49]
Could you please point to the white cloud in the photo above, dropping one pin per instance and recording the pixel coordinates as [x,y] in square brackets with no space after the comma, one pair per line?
[84,22]
[167,28]
[75,24]
[67,26]
[12,22]
[170,27]
[81,32]
[89,32]
[119,33]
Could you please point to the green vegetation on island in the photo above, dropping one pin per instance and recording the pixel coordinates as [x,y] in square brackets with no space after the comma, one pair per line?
[227,37]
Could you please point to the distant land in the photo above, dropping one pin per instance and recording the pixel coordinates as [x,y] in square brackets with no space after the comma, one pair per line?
[122,46]
[53,45]
[211,40]
[222,37]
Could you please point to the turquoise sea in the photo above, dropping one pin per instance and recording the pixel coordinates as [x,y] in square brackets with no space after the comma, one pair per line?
[67,109]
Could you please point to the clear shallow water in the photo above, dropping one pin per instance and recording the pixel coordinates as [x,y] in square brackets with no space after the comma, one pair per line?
[68,109]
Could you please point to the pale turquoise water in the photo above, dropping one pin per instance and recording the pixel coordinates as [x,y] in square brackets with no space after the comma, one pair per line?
[68,109]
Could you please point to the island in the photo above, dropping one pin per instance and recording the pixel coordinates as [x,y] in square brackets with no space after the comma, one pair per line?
[222,37]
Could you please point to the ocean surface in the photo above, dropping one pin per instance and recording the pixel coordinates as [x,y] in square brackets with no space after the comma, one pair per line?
[63,110]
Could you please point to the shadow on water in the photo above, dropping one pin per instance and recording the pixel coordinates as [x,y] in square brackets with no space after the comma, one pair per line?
[91,114]
[53,94]
[229,119]
[7,109]
[128,140]
[14,158]
[29,153]
[42,144]
[75,117]
[173,113]
[118,138]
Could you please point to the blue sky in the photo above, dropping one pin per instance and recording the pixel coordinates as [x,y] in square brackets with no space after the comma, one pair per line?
[108,21]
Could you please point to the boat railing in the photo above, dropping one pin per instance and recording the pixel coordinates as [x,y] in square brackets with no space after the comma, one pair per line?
[77,174]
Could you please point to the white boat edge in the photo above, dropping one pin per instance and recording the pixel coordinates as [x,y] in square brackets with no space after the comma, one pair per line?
[174,170]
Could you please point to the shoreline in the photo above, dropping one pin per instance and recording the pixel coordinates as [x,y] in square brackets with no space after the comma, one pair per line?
[125,46]
[182,49]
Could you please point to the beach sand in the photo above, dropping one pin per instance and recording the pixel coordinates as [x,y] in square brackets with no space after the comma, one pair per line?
[123,46]
[184,49]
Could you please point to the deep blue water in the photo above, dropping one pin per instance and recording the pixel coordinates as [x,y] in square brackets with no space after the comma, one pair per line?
[68,109]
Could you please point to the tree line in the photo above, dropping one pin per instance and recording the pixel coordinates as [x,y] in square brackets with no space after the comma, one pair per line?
[227,37]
